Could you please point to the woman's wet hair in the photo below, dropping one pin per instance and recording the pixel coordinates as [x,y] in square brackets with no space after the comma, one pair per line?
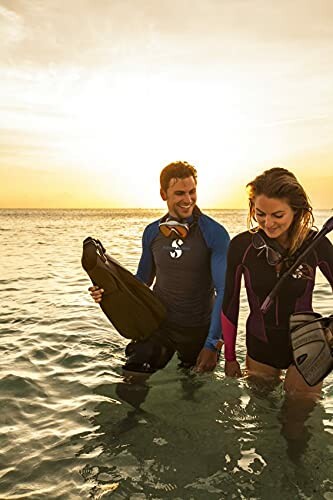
[282,184]
[176,170]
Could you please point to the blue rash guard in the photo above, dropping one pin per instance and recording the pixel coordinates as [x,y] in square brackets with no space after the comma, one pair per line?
[189,273]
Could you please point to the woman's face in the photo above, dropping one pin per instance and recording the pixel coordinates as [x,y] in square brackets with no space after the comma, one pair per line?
[274,216]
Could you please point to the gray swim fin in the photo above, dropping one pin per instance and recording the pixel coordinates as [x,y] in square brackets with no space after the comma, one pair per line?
[312,349]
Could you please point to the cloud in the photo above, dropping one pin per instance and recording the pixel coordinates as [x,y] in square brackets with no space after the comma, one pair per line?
[11,27]
[110,32]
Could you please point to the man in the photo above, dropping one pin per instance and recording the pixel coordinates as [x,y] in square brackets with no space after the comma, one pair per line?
[185,253]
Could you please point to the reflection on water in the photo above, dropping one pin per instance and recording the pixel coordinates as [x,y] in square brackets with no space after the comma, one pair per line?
[66,431]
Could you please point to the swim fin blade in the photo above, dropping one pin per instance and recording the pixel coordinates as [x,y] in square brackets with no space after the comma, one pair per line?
[129,305]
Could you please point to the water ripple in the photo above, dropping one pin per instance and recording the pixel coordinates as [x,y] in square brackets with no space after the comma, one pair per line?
[67,431]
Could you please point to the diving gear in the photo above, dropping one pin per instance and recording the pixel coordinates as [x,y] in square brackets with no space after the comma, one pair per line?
[130,305]
[327,227]
[273,256]
[169,227]
[311,340]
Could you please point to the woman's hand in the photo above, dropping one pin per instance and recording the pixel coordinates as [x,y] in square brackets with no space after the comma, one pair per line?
[232,369]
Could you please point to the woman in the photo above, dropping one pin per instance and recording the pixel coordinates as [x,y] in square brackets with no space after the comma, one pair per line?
[280,223]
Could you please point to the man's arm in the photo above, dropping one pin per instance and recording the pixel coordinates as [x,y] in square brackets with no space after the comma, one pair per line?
[217,240]
[146,267]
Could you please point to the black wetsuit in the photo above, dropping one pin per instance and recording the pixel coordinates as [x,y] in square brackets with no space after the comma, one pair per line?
[267,335]
[189,279]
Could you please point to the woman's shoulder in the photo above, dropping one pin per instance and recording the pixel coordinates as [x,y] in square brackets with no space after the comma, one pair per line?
[239,245]
[243,238]
[321,250]
[325,247]
[323,241]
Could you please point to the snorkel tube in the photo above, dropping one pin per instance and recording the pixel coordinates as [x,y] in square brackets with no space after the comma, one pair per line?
[327,227]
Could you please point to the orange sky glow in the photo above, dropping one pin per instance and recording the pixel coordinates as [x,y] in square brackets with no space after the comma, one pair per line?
[97,97]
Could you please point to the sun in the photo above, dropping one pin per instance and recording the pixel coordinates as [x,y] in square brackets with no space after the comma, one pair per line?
[126,130]
[115,131]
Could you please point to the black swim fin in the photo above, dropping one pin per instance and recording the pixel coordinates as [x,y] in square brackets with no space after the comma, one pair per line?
[129,304]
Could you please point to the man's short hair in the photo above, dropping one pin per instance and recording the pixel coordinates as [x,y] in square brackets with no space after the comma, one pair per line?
[176,170]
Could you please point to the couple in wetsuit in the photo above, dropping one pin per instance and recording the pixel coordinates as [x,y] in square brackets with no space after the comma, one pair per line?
[187,256]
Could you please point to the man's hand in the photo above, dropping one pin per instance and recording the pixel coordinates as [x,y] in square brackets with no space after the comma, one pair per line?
[206,361]
[96,293]
[232,369]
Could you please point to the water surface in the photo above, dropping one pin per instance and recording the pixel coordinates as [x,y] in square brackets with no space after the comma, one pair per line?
[67,433]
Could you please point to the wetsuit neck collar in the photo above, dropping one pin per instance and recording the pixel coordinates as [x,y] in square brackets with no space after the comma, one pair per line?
[189,220]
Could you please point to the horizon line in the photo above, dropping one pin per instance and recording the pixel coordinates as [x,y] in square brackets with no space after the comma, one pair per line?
[128,208]
[107,208]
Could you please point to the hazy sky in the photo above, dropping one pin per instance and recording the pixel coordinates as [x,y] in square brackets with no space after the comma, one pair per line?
[96,96]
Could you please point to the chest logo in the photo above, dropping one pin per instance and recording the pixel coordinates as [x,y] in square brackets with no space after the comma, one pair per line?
[177,251]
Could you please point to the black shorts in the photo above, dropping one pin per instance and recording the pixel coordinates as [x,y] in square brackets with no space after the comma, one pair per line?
[277,352]
[155,352]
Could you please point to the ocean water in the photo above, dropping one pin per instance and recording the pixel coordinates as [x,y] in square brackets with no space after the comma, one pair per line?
[66,430]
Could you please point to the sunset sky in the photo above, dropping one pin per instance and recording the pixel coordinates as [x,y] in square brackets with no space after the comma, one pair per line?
[96,96]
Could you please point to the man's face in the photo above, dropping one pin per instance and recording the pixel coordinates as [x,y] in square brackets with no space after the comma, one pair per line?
[181,197]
